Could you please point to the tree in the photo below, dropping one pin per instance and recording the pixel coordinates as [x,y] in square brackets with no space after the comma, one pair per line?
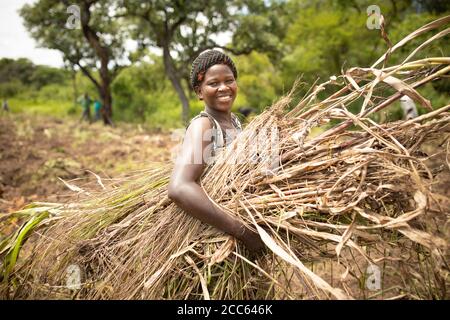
[98,45]
[259,79]
[21,69]
[16,75]
[138,89]
[44,75]
[183,29]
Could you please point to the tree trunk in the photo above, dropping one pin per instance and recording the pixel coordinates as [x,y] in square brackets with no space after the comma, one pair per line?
[175,79]
[106,105]
[103,54]
[75,88]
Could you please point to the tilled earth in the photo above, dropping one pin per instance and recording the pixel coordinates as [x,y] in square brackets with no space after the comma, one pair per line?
[36,152]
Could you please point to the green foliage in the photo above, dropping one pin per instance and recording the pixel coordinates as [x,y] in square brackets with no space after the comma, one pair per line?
[142,93]
[41,107]
[324,39]
[94,43]
[258,80]
[140,89]
[184,29]
[47,20]
[44,75]
[261,29]
[21,69]
[413,21]
[16,76]
[11,88]
[13,244]
[282,41]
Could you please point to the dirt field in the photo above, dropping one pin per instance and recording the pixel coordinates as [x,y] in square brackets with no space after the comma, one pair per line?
[36,151]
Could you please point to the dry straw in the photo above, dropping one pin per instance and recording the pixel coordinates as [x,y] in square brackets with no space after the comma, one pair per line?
[326,206]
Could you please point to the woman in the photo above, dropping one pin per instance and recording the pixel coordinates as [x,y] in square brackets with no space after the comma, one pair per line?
[213,77]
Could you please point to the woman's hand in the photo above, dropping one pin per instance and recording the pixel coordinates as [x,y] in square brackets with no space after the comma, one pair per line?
[250,238]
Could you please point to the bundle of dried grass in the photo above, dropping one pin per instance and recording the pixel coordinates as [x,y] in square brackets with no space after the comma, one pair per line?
[327,206]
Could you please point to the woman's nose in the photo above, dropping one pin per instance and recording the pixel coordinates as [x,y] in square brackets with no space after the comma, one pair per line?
[222,86]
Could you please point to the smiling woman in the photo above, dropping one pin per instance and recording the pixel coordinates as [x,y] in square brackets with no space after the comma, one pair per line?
[218,89]
[213,77]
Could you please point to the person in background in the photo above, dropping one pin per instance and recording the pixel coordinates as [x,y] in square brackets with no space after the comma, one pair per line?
[86,104]
[97,108]
[5,105]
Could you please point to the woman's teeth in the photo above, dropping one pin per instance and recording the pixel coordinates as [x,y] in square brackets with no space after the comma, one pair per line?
[224,97]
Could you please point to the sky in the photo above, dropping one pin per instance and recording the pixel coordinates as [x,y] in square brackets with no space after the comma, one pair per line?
[15,42]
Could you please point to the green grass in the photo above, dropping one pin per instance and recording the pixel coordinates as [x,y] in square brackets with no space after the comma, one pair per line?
[17,240]
[59,109]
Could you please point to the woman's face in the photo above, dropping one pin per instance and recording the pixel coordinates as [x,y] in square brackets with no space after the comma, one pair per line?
[218,88]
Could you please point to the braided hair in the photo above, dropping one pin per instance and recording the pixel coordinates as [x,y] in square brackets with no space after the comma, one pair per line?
[206,60]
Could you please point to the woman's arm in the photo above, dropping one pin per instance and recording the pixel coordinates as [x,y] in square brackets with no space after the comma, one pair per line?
[186,192]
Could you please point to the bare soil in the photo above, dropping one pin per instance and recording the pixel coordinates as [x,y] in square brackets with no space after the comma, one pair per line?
[36,151]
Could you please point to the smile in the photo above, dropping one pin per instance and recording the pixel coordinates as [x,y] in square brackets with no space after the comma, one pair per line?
[225,97]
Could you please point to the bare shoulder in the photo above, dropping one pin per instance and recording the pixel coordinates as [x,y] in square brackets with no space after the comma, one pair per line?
[196,141]
[199,126]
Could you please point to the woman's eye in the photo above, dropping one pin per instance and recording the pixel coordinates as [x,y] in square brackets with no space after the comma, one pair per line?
[229,81]
[213,84]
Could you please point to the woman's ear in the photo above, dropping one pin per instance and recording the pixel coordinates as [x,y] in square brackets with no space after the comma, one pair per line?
[199,93]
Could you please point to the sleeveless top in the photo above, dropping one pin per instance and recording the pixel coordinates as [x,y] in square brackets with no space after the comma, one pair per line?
[219,142]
